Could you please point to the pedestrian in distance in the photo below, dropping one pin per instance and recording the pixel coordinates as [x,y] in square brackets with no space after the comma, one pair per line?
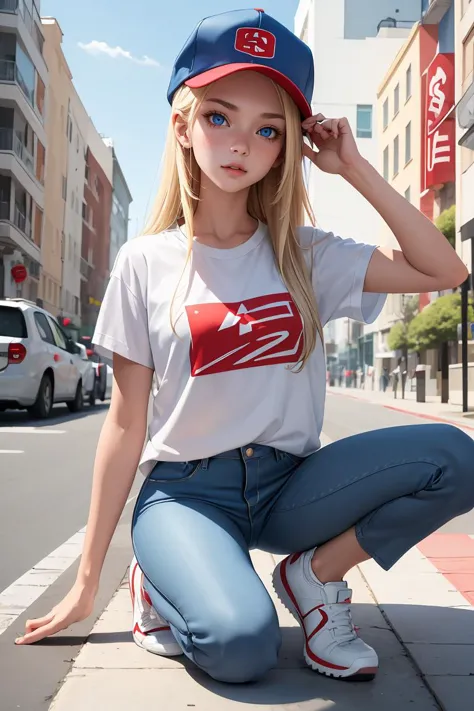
[224,299]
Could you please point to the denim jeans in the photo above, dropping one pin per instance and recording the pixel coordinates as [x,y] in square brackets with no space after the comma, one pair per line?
[195,522]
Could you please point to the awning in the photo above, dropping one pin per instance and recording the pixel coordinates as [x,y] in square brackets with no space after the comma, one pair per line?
[386,354]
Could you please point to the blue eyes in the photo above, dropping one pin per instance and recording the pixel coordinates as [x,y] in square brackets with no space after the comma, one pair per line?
[267,132]
[217,119]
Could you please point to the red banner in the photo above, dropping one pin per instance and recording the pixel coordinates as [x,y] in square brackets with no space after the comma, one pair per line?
[439,132]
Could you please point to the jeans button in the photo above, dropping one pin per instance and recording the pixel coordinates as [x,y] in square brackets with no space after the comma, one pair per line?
[249,452]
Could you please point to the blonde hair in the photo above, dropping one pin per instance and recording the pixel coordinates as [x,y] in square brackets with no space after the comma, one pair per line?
[279,200]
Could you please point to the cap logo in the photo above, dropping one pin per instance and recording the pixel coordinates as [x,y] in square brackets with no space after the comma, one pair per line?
[256,42]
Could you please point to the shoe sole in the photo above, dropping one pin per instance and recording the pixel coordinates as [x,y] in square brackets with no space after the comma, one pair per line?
[358,674]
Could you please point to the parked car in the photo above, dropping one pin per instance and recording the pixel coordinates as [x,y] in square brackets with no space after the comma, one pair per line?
[103,370]
[39,363]
[88,375]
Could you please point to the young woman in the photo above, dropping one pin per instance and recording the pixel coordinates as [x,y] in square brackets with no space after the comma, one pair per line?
[224,299]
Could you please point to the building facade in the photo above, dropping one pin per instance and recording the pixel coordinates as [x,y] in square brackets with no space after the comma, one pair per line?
[353,43]
[23,144]
[121,200]
[96,215]
[56,189]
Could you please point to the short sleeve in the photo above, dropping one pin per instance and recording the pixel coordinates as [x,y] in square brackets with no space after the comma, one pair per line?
[339,270]
[122,325]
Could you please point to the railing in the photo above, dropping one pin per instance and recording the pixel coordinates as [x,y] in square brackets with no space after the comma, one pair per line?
[9,141]
[9,71]
[85,268]
[22,222]
[23,154]
[9,6]
[4,211]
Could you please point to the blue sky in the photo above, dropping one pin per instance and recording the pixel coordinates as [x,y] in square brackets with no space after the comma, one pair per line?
[120,56]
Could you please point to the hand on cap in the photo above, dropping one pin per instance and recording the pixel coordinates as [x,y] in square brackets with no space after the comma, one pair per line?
[337,151]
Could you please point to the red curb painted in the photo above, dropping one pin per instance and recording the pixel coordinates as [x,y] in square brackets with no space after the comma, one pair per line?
[452,554]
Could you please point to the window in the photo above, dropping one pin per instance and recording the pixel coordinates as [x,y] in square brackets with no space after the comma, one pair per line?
[396,100]
[86,177]
[64,188]
[385,113]
[84,211]
[408,83]
[12,322]
[44,329]
[408,194]
[59,337]
[468,61]
[396,157]
[408,142]
[364,121]
[385,163]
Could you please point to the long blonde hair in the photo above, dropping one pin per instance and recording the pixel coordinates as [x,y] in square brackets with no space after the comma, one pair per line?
[279,200]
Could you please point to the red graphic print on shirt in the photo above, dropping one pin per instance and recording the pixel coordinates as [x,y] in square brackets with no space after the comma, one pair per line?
[265,330]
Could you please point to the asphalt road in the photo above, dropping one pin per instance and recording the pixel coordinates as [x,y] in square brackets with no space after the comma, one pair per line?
[45,479]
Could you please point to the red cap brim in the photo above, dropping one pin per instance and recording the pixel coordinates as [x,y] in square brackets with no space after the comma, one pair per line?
[225,70]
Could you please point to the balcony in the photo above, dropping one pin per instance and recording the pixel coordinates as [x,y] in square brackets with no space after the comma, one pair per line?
[9,71]
[85,269]
[14,7]
[436,11]
[16,233]
[9,141]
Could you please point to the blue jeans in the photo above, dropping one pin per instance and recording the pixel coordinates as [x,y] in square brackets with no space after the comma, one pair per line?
[194,523]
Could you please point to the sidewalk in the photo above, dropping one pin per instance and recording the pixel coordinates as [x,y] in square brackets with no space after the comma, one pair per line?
[433,624]
[432,409]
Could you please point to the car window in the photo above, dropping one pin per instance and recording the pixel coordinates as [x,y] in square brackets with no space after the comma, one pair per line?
[58,335]
[12,322]
[44,328]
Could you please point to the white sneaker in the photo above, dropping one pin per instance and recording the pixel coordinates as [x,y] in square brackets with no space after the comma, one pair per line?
[150,630]
[332,646]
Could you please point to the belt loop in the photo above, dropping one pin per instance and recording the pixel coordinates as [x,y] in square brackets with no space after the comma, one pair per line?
[204,463]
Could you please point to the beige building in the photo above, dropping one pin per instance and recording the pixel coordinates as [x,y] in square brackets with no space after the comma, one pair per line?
[398,118]
[23,78]
[56,167]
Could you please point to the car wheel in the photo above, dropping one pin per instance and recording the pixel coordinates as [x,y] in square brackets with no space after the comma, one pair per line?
[77,404]
[44,400]
[93,395]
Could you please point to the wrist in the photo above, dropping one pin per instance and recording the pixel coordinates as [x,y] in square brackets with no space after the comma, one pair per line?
[357,171]
[87,582]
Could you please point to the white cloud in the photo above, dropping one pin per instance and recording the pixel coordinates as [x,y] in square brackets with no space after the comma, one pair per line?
[96,48]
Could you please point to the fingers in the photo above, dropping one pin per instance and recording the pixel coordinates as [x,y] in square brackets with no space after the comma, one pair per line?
[32,625]
[319,125]
[40,633]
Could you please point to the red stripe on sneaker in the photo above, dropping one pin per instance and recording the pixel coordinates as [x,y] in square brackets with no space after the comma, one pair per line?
[137,628]
[147,597]
[324,619]
[295,557]
[310,653]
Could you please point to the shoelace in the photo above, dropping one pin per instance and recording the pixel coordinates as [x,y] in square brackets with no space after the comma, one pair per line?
[340,622]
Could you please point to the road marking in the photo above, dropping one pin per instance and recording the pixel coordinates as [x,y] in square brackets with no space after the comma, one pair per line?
[18,596]
[29,430]
[11,451]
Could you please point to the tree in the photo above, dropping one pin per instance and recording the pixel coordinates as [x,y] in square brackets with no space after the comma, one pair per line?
[435,326]
[399,336]
[446,223]
[438,322]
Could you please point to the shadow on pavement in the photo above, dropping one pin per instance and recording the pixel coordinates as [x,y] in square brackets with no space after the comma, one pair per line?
[59,415]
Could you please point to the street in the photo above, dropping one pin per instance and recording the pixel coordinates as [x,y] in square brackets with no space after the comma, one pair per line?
[46,471]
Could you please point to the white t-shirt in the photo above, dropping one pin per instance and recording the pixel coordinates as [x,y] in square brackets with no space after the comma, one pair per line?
[223,380]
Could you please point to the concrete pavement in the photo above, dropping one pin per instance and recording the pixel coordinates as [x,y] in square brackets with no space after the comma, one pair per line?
[418,616]
[111,672]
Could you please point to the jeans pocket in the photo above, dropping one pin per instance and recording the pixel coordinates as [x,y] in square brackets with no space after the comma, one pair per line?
[165,472]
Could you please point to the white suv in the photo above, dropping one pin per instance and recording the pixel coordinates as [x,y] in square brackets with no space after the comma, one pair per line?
[39,364]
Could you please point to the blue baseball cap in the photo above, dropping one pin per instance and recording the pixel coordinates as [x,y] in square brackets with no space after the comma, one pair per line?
[241,40]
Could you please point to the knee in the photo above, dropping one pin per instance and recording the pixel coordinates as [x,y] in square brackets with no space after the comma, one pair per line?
[460,452]
[242,647]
